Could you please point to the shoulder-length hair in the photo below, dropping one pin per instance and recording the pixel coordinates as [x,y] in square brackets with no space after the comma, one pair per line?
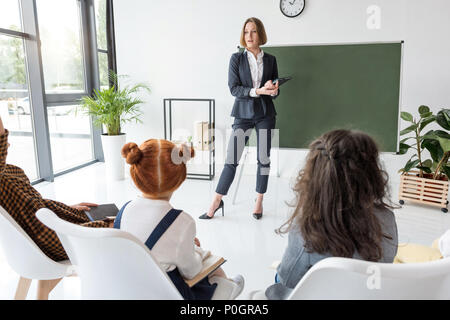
[337,192]
[259,29]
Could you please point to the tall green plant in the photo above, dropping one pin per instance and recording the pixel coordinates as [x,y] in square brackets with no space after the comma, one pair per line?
[114,106]
[437,142]
[440,150]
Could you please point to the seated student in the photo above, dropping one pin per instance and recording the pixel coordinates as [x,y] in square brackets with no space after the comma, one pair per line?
[340,209]
[21,201]
[158,168]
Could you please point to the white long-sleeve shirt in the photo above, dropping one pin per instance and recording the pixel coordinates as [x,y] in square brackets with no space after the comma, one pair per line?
[176,246]
[256,69]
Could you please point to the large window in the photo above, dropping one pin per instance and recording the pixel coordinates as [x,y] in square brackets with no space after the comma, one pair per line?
[70,137]
[65,68]
[10,15]
[104,49]
[15,107]
[62,50]
[51,54]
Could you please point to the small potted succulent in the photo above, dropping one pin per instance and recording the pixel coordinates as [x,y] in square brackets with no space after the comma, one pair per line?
[426,180]
[111,108]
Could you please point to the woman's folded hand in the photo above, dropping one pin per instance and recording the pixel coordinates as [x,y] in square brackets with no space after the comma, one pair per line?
[265,91]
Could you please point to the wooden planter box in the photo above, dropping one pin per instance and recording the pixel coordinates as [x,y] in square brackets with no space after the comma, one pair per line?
[423,190]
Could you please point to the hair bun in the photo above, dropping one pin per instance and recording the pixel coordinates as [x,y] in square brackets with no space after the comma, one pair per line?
[131,153]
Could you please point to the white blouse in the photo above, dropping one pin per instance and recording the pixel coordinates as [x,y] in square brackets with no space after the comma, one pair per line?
[176,246]
[256,69]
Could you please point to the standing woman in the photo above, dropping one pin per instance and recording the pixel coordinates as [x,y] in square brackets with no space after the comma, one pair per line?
[250,77]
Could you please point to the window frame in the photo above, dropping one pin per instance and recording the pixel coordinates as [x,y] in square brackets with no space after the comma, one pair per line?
[40,100]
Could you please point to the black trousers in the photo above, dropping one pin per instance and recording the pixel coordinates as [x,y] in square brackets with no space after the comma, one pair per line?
[242,129]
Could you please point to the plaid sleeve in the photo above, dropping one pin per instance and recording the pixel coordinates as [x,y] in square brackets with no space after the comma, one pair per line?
[74,215]
[96,224]
[23,207]
[3,151]
[70,214]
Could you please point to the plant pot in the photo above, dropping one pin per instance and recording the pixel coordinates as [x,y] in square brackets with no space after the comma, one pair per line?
[423,190]
[115,164]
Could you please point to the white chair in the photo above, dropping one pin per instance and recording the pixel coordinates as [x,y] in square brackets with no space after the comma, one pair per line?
[113,264]
[344,278]
[26,259]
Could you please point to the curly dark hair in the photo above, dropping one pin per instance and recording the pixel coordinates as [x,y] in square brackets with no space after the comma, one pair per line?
[337,192]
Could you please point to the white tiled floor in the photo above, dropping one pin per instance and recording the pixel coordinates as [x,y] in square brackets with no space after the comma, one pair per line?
[250,246]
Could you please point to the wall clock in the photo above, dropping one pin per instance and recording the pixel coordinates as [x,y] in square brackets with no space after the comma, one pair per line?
[292,8]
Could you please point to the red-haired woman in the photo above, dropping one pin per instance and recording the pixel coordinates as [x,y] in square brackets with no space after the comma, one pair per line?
[158,168]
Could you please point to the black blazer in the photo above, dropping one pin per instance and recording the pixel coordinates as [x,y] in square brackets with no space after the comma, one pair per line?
[240,83]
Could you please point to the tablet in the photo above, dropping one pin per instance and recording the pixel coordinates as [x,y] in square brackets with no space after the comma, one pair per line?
[281,80]
[102,211]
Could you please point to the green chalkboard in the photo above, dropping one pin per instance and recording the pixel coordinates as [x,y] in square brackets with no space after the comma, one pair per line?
[352,86]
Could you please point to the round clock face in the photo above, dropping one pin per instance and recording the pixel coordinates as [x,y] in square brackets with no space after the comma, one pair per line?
[292,8]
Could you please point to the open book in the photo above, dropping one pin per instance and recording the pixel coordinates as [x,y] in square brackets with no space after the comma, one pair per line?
[210,264]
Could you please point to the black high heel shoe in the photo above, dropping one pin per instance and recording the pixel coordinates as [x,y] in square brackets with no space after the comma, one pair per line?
[257,216]
[205,215]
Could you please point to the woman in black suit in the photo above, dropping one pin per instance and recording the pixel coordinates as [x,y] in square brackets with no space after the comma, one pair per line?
[250,77]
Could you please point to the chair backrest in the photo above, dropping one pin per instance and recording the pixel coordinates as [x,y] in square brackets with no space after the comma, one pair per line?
[111,263]
[343,278]
[23,255]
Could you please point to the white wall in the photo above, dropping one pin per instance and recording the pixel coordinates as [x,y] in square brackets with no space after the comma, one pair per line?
[181,48]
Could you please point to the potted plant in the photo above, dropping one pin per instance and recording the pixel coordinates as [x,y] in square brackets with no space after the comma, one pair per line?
[111,108]
[426,180]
